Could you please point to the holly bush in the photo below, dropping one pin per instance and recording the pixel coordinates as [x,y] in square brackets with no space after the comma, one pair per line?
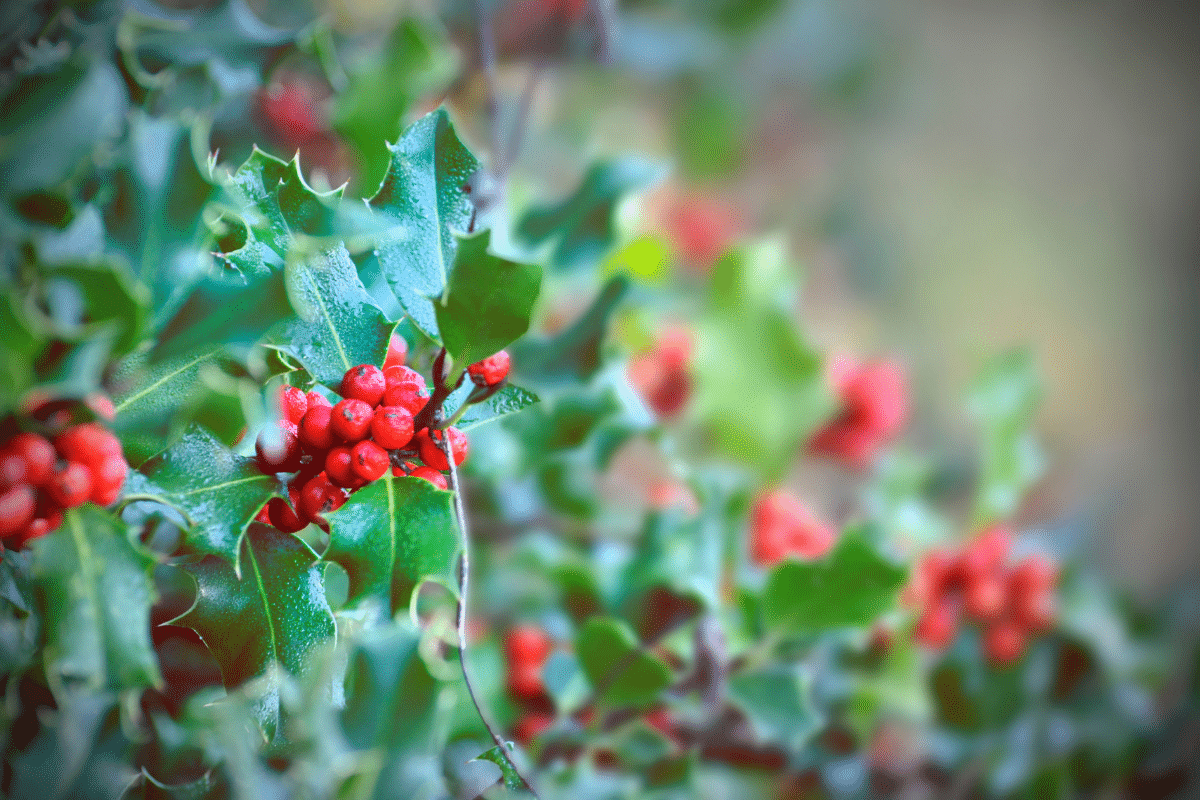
[454,481]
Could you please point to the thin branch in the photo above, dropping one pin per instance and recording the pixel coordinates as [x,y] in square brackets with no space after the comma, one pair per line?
[521,123]
[464,583]
[487,61]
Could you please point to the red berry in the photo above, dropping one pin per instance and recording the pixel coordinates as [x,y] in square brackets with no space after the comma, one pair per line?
[937,626]
[364,382]
[780,525]
[316,429]
[1004,642]
[397,352]
[314,399]
[933,575]
[987,552]
[318,496]
[12,468]
[16,509]
[1035,607]
[351,420]
[107,479]
[490,370]
[88,444]
[70,486]
[525,682]
[293,404]
[290,106]
[338,467]
[874,405]
[1034,571]
[368,460]
[429,447]
[409,396]
[278,448]
[431,475]
[400,374]
[36,529]
[282,516]
[530,726]
[527,644]
[984,596]
[392,427]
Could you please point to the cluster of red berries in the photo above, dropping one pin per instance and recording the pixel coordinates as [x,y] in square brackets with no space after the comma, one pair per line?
[526,649]
[873,401]
[661,375]
[1011,602]
[41,477]
[336,449]
[702,227]
[782,526]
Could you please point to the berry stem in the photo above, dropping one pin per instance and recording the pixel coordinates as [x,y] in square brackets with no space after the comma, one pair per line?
[464,584]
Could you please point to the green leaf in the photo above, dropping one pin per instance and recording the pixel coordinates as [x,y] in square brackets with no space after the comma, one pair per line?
[390,695]
[275,612]
[508,400]
[98,594]
[391,535]
[775,700]
[489,301]
[583,223]
[573,354]
[337,326]
[371,109]
[197,789]
[425,197]
[1003,402]
[497,755]
[619,671]
[20,627]
[110,296]
[760,387]
[851,586]
[220,492]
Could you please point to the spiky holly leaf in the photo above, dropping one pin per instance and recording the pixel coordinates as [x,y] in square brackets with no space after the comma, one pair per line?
[337,326]
[276,612]
[508,400]
[619,671]
[489,301]
[98,593]
[850,586]
[583,222]
[499,756]
[218,491]
[425,196]
[392,534]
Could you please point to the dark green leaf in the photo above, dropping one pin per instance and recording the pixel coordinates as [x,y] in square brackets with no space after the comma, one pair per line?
[275,613]
[851,586]
[584,221]
[390,695]
[619,671]
[425,197]
[499,757]
[508,400]
[337,326]
[489,303]
[219,491]
[110,296]
[20,627]
[391,535]
[191,790]
[98,594]
[776,702]
[574,353]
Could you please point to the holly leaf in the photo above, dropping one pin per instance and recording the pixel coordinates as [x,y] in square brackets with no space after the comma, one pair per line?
[619,671]
[107,295]
[583,223]
[775,700]
[1003,402]
[390,695]
[573,355]
[851,586]
[508,400]
[760,388]
[391,535]
[97,592]
[425,196]
[337,326]
[275,612]
[489,301]
[218,491]
[498,756]
[20,626]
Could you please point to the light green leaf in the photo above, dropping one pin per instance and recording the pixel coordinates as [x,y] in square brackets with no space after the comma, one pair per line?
[508,400]
[391,535]
[390,695]
[498,756]
[775,700]
[619,671]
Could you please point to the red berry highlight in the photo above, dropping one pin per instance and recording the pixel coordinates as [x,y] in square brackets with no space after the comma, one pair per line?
[293,404]
[782,526]
[397,352]
[431,475]
[38,454]
[16,509]
[338,467]
[107,479]
[70,486]
[874,406]
[278,448]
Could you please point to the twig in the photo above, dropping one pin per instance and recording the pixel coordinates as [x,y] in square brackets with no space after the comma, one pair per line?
[464,578]
[521,123]
[487,61]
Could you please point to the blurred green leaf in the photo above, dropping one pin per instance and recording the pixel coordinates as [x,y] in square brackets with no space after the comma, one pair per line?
[20,626]
[850,586]
[109,296]
[218,491]
[425,196]
[390,695]
[391,535]
[489,301]
[275,612]
[775,699]
[619,671]
[98,594]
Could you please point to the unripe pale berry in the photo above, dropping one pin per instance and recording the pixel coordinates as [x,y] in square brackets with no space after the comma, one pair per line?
[490,370]
[316,429]
[397,352]
[16,509]
[368,460]
[351,419]
[293,404]
[430,450]
[392,427]
[70,486]
[364,382]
